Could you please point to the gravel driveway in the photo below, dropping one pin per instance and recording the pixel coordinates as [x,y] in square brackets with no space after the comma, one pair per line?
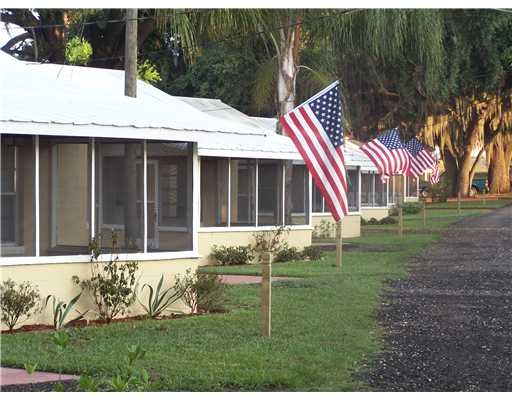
[449,323]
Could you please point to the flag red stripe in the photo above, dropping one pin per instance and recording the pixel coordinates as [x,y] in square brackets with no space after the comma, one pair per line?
[311,167]
[321,163]
[328,152]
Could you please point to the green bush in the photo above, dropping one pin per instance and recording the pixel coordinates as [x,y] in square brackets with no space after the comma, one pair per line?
[232,255]
[61,310]
[78,51]
[288,254]
[270,241]
[202,293]
[159,301]
[312,253]
[112,285]
[17,301]
[412,207]
[388,221]
[325,230]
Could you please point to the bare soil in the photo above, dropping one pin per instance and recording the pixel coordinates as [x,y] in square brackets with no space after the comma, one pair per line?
[449,324]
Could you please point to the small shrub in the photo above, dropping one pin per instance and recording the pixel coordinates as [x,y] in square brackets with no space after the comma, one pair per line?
[373,221]
[17,301]
[363,221]
[288,254]
[202,293]
[270,241]
[61,310]
[439,191]
[78,51]
[325,230]
[412,207]
[112,285]
[159,301]
[232,255]
[388,221]
[312,253]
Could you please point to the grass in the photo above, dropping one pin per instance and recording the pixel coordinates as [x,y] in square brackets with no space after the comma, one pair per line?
[323,329]
[478,203]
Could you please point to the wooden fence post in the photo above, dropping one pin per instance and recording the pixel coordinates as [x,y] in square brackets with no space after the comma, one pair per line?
[339,244]
[266,293]
[458,203]
[424,214]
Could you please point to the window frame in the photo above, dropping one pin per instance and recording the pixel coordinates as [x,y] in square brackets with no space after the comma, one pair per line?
[257,227]
[143,255]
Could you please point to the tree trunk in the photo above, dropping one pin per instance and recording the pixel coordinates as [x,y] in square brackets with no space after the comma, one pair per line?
[451,172]
[498,176]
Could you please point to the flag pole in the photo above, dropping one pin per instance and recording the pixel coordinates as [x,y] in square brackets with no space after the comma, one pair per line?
[339,244]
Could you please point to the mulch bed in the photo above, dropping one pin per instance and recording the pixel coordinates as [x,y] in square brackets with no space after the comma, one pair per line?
[449,324]
[98,322]
[69,386]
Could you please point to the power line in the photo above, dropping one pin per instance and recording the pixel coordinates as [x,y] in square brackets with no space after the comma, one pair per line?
[100,21]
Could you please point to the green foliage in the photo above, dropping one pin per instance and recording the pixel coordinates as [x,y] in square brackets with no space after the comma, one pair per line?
[232,255]
[312,253]
[30,368]
[17,301]
[112,285]
[219,72]
[159,301]
[87,384]
[439,191]
[413,207]
[270,241]
[78,51]
[61,310]
[201,292]
[129,377]
[61,340]
[384,221]
[148,72]
[288,254]
[324,230]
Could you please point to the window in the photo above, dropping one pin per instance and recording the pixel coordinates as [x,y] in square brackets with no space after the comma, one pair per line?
[64,196]
[353,190]
[119,194]
[319,204]
[214,191]
[243,192]
[380,192]
[412,186]
[297,198]
[270,199]
[318,200]
[17,203]
[169,196]
[367,189]
[256,192]
[373,191]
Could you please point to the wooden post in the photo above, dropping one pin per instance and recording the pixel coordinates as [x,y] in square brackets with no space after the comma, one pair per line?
[424,214]
[400,222]
[458,204]
[339,244]
[266,293]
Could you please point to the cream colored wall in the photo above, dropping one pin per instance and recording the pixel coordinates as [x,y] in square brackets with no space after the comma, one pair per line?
[56,279]
[351,225]
[298,238]
[377,213]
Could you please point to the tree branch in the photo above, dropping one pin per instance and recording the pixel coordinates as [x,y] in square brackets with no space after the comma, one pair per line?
[20,38]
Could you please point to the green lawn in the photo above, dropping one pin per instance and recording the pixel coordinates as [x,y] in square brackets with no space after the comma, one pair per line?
[324,331]
[478,203]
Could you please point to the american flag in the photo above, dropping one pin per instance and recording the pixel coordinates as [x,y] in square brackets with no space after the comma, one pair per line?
[315,128]
[434,176]
[420,159]
[388,153]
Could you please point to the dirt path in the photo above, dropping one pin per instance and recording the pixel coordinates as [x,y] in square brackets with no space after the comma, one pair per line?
[449,323]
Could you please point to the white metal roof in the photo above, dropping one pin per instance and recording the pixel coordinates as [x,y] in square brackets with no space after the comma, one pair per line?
[79,96]
[52,99]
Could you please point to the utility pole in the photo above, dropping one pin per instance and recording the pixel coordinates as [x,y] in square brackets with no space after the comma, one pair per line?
[131,233]
[130,54]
